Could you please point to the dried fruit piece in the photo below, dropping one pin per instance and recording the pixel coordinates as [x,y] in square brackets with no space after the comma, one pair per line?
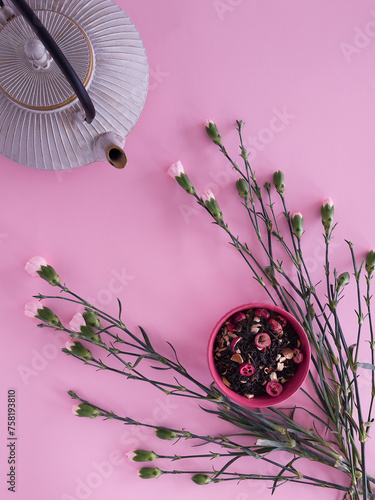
[225,381]
[246,369]
[262,313]
[262,340]
[234,343]
[237,358]
[288,353]
[238,317]
[283,322]
[297,356]
[274,389]
[273,376]
[255,328]
[231,327]
[274,326]
[249,396]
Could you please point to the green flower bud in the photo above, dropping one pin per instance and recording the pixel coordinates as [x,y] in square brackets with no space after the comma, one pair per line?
[176,171]
[92,319]
[78,350]
[267,187]
[213,132]
[89,333]
[165,434]
[297,224]
[185,183]
[49,274]
[244,153]
[210,202]
[72,394]
[142,456]
[48,316]
[240,124]
[370,262]
[242,188]
[327,211]
[279,181]
[149,472]
[201,479]
[85,410]
[342,281]
[215,211]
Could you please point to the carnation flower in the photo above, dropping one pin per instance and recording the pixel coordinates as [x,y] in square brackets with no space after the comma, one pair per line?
[32,308]
[76,322]
[34,265]
[37,266]
[207,195]
[37,310]
[176,169]
[211,204]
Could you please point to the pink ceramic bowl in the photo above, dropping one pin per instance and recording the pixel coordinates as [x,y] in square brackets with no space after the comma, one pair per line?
[290,387]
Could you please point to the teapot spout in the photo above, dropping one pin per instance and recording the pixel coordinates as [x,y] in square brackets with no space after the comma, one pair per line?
[109,146]
[116,156]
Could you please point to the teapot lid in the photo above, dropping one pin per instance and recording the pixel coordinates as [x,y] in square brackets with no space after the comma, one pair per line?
[42,86]
[41,124]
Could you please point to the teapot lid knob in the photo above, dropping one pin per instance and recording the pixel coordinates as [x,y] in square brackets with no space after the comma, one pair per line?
[34,49]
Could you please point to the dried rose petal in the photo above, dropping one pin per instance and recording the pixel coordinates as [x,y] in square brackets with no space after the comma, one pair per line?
[262,313]
[275,326]
[297,356]
[231,327]
[262,340]
[246,369]
[274,389]
[234,343]
[282,320]
[238,317]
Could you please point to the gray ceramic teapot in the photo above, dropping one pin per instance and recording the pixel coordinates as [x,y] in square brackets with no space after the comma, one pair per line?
[73,82]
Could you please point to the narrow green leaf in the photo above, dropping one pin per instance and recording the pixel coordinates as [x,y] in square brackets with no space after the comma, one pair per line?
[229,463]
[351,420]
[119,309]
[138,360]
[175,353]
[145,336]
[289,466]
[367,366]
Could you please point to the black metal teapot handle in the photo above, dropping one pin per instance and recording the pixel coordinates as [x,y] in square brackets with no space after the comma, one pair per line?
[57,55]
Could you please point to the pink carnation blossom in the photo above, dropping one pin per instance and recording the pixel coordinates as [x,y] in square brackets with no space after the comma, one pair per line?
[34,265]
[207,195]
[31,308]
[295,214]
[76,322]
[75,409]
[176,169]
[69,344]
[130,455]
[327,201]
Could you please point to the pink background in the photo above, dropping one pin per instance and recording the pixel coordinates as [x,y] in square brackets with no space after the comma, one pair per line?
[137,235]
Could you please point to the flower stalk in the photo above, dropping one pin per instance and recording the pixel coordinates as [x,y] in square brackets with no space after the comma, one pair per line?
[335,365]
